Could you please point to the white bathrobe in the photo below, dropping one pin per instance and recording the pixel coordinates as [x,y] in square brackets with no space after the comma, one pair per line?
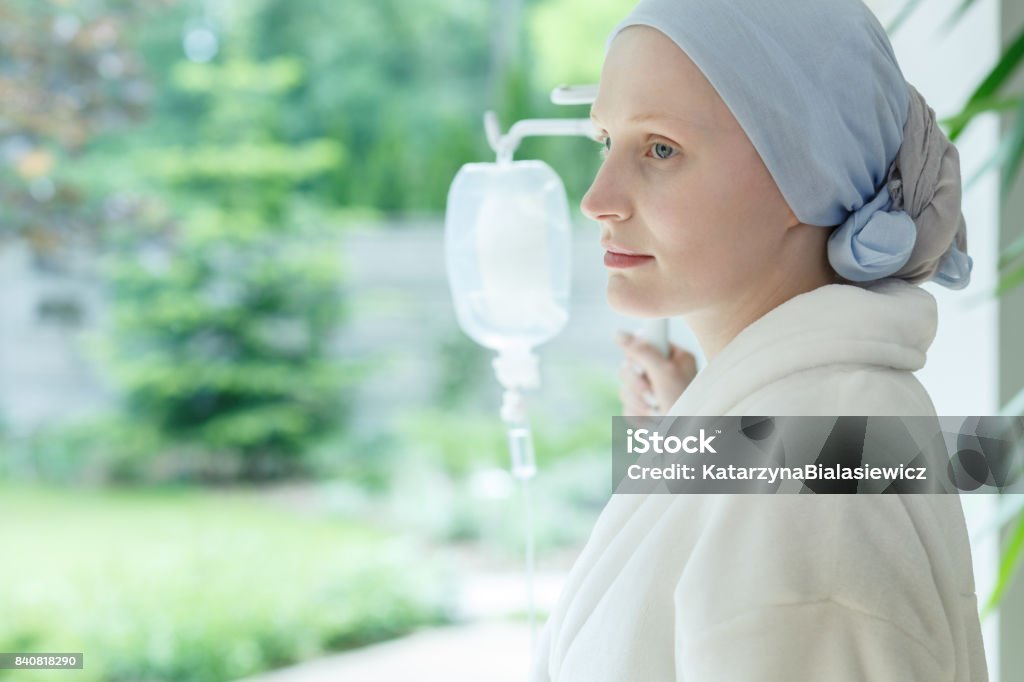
[783,588]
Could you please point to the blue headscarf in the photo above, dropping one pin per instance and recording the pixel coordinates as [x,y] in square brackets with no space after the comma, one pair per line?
[816,87]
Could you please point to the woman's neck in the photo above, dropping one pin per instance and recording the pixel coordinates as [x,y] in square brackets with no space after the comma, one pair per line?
[718,324]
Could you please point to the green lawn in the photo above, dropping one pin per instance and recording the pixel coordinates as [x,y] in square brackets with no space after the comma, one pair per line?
[181,584]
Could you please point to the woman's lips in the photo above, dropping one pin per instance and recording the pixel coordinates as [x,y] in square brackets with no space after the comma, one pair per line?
[622,260]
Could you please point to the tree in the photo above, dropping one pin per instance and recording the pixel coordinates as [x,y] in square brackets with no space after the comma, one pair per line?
[223,316]
[68,73]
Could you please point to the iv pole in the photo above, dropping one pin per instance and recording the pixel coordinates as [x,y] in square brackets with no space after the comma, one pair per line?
[518,372]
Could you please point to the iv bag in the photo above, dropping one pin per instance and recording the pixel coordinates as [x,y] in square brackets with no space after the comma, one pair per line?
[507,246]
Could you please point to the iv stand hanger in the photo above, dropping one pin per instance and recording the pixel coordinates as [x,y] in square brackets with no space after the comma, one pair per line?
[518,371]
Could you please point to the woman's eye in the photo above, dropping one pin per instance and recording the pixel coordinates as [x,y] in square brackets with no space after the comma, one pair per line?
[663,151]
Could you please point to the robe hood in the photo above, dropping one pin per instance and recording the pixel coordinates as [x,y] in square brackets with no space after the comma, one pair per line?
[888,324]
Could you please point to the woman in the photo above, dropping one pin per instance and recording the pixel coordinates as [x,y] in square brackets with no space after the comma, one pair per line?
[770,177]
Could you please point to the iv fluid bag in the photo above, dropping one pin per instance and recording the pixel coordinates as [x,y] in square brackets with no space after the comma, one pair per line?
[507,245]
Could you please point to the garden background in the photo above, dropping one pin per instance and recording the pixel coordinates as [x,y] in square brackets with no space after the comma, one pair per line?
[240,429]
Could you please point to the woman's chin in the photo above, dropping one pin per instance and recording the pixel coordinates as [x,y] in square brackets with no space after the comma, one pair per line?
[633,303]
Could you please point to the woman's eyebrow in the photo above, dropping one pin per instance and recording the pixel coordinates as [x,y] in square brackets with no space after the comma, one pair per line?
[655,116]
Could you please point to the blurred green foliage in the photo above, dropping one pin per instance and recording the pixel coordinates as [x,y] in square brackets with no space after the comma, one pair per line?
[461,442]
[404,86]
[221,215]
[111,449]
[179,585]
[222,319]
[450,476]
[399,84]
[221,209]
[567,38]
[221,337]
[69,72]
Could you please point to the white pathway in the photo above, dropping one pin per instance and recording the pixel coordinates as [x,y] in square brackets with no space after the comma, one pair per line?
[490,648]
[488,652]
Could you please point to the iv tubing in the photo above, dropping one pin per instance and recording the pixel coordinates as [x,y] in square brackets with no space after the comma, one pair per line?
[520,443]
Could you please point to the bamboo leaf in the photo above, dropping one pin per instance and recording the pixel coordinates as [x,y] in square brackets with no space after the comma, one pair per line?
[962,118]
[997,158]
[957,14]
[1000,73]
[1007,156]
[1010,281]
[1011,253]
[1012,555]
[1014,408]
[904,13]
[1011,163]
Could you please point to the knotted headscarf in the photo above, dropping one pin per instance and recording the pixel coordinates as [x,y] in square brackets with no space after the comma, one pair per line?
[816,87]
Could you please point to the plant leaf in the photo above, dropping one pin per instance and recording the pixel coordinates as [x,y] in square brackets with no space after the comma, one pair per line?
[1010,281]
[1011,253]
[1014,408]
[1011,163]
[955,17]
[963,117]
[1000,73]
[904,13]
[998,157]
[1007,156]
[1012,555]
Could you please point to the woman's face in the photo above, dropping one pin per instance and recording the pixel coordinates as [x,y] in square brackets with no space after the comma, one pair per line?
[680,183]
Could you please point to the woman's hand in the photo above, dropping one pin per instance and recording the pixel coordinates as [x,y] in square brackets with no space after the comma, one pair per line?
[651,382]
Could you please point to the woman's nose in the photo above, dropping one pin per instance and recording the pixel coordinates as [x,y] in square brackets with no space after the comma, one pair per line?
[606,198]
